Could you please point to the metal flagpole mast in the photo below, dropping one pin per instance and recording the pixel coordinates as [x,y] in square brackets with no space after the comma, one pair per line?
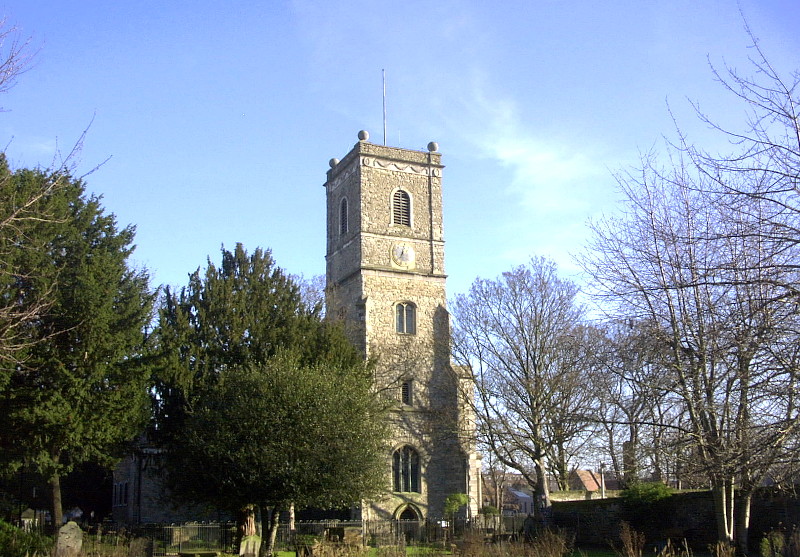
[383,71]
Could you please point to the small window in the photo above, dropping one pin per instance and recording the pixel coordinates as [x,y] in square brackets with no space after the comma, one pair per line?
[343,217]
[406,318]
[120,493]
[401,208]
[405,470]
[406,393]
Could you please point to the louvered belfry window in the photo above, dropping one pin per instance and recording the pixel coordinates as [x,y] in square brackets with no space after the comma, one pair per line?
[405,394]
[401,208]
[343,217]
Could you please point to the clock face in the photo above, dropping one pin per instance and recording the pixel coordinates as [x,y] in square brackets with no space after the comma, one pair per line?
[403,256]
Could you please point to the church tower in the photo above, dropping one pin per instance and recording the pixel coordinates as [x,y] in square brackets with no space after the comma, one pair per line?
[385,280]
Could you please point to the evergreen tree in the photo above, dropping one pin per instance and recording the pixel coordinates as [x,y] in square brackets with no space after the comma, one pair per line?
[242,312]
[78,388]
[25,209]
[259,402]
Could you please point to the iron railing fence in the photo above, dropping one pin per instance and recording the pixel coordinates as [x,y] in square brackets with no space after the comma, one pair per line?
[198,538]
[187,539]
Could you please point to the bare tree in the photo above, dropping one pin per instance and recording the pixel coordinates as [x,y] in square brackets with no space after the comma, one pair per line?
[16,55]
[711,289]
[763,164]
[570,429]
[19,208]
[495,481]
[312,291]
[632,406]
[516,335]
[759,183]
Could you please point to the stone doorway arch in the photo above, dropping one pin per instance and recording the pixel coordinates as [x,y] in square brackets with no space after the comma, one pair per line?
[407,512]
[408,522]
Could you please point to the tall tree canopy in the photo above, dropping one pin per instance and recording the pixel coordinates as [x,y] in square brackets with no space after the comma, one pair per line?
[706,259]
[259,402]
[521,336]
[77,387]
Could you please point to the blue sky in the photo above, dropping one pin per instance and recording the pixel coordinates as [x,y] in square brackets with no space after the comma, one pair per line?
[217,119]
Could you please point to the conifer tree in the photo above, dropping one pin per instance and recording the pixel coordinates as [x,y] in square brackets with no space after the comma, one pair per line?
[258,401]
[77,389]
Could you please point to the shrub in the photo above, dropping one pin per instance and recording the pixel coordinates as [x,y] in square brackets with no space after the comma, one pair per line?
[15,542]
[778,544]
[453,502]
[646,493]
[772,544]
[550,543]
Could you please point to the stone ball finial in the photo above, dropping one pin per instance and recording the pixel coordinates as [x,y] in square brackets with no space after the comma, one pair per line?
[363,135]
[333,162]
[433,146]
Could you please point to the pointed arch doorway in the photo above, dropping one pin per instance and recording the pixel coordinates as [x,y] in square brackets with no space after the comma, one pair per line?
[408,522]
[408,513]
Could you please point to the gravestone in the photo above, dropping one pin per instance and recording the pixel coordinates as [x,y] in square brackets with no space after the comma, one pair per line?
[250,546]
[70,540]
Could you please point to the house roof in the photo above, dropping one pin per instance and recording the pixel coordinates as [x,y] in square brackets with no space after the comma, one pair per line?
[587,479]
[520,494]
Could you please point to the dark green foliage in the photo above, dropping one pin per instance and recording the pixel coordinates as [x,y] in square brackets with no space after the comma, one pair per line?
[646,493]
[772,544]
[15,542]
[29,211]
[260,399]
[242,312]
[78,388]
[453,502]
[490,510]
[281,433]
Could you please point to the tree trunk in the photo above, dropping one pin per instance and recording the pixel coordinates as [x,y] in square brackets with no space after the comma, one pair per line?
[542,493]
[723,509]
[742,529]
[271,520]
[58,516]
[562,474]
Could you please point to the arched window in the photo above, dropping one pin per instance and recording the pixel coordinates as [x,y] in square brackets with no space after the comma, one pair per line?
[406,394]
[401,208]
[343,217]
[405,469]
[406,318]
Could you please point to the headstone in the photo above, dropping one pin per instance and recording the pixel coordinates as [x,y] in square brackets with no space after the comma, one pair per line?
[250,546]
[70,540]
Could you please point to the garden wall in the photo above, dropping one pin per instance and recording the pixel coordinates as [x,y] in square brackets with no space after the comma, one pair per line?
[687,516]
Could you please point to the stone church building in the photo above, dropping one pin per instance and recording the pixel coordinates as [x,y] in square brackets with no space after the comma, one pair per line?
[385,280]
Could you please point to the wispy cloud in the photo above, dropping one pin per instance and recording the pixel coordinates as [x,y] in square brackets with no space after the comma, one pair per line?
[557,184]
[548,175]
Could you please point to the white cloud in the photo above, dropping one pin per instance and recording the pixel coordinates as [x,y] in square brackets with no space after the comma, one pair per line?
[556,184]
[547,175]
